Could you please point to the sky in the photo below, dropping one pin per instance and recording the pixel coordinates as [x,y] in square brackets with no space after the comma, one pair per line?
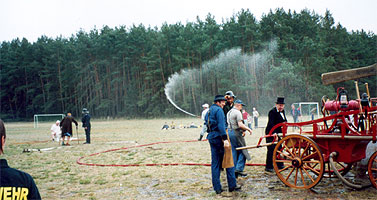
[31,19]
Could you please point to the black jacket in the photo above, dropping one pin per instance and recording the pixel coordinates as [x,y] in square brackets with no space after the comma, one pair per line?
[16,181]
[85,120]
[66,124]
[274,117]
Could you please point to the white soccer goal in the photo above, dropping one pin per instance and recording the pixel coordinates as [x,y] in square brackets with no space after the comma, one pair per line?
[308,110]
[46,118]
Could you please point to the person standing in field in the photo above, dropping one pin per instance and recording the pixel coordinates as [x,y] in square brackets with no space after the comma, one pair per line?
[86,124]
[230,97]
[55,131]
[237,127]
[294,113]
[255,116]
[275,116]
[14,184]
[66,126]
[246,117]
[218,140]
[204,112]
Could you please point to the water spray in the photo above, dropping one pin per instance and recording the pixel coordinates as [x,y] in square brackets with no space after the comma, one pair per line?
[226,62]
[168,87]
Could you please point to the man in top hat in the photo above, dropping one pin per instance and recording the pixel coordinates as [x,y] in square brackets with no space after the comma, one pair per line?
[204,112]
[217,138]
[275,116]
[236,129]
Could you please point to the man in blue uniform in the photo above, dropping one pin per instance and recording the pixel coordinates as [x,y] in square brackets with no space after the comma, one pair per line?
[14,184]
[217,138]
[86,124]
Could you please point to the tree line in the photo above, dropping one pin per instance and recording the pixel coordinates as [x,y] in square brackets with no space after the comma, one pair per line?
[122,71]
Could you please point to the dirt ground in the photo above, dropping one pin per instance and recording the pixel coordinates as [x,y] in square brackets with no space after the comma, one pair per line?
[58,176]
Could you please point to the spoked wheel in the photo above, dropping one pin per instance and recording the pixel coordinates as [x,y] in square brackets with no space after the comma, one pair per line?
[342,167]
[372,169]
[303,162]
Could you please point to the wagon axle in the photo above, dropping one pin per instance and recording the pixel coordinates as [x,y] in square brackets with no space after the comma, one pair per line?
[296,162]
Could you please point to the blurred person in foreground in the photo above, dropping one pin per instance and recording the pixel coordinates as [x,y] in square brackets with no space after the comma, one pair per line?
[66,126]
[14,184]
[55,131]
[86,124]
[275,116]
[204,112]
[237,127]
[218,139]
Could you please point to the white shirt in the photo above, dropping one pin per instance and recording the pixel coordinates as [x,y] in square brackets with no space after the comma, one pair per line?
[281,113]
[204,113]
[255,113]
[56,129]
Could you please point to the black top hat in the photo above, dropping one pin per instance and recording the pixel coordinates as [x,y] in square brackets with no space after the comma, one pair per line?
[219,98]
[280,100]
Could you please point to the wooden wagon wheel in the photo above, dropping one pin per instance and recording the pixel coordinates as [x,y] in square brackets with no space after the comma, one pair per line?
[342,167]
[372,169]
[302,159]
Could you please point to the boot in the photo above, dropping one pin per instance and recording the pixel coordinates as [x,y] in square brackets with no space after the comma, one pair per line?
[200,138]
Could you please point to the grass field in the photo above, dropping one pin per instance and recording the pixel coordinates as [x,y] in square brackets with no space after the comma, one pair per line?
[58,176]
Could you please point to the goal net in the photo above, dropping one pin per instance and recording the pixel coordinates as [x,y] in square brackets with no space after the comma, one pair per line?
[38,118]
[308,110]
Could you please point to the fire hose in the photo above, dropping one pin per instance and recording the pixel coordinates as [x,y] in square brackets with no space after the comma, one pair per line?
[345,181]
[148,164]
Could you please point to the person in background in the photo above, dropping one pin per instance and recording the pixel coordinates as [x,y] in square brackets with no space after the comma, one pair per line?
[250,121]
[237,127]
[192,125]
[299,114]
[218,139]
[172,125]
[312,113]
[165,126]
[246,117]
[14,184]
[294,113]
[86,124]
[66,126]
[55,131]
[275,116]
[255,116]
[230,97]
[204,112]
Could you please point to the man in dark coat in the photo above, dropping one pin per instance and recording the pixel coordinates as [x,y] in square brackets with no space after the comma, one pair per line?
[275,116]
[66,126]
[86,124]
